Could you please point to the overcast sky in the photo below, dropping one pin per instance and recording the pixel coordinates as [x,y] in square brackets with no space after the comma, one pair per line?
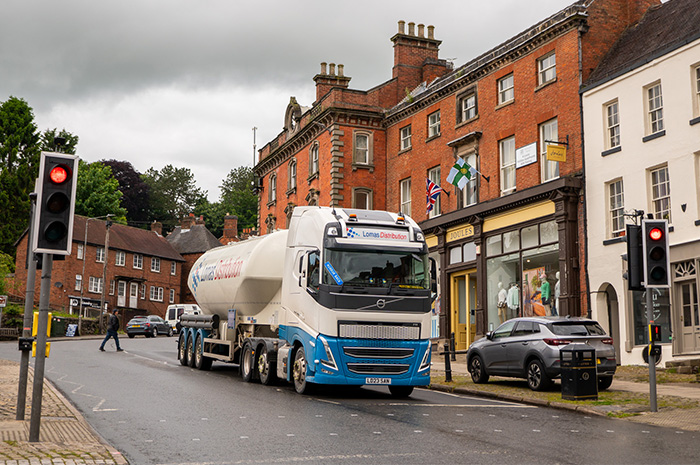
[183,82]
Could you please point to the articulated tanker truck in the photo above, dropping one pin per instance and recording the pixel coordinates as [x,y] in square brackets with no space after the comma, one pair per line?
[342,297]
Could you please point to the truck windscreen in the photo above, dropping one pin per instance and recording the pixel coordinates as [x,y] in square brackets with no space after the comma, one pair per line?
[376,269]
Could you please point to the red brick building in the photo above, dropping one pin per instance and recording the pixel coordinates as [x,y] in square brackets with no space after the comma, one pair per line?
[515,233]
[143,270]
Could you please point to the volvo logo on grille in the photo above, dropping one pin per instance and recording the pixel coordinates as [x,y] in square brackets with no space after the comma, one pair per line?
[381,303]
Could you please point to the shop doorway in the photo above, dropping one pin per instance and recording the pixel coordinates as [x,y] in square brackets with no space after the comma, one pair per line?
[463,311]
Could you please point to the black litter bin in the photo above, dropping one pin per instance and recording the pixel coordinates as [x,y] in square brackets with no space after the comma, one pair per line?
[579,374]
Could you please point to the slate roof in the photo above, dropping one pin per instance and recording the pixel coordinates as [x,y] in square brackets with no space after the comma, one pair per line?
[124,238]
[661,30]
[197,239]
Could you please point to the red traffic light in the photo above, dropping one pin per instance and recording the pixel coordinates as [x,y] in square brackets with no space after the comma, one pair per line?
[59,174]
[656,234]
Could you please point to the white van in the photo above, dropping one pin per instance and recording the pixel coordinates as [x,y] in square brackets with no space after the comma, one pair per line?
[173,313]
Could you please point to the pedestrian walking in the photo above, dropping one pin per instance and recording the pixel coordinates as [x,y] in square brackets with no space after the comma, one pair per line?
[112,328]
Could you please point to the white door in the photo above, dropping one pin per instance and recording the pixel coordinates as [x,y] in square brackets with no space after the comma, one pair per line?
[121,293]
[133,295]
[690,316]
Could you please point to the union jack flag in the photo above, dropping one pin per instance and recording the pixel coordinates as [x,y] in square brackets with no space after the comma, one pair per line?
[432,192]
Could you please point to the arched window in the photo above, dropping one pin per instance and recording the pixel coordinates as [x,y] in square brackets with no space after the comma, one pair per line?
[292,175]
[313,159]
[272,193]
[362,198]
[363,156]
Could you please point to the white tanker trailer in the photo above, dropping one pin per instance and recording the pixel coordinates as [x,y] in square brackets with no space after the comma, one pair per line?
[342,297]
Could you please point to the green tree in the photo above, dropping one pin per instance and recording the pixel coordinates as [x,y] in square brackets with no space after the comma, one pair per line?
[19,165]
[98,192]
[7,266]
[213,214]
[174,194]
[48,141]
[237,197]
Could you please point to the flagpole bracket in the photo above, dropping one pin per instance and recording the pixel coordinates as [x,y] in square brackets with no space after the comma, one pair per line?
[558,142]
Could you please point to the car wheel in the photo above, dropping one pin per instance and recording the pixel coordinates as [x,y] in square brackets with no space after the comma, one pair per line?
[131,336]
[604,382]
[265,368]
[537,378]
[299,372]
[182,350]
[246,366]
[170,332]
[477,370]
[154,332]
[190,352]
[401,391]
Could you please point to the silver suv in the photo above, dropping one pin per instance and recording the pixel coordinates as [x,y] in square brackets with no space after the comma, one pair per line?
[529,348]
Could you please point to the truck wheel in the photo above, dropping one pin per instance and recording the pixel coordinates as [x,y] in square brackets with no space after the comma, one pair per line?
[201,362]
[299,372]
[265,368]
[401,391]
[182,350]
[246,365]
[190,353]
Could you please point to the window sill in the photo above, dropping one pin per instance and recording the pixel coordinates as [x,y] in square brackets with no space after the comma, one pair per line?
[291,191]
[465,122]
[545,84]
[504,104]
[407,149]
[312,177]
[694,121]
[611,151]
[656,135]
[614,240]
[432,137]
[363,166]
[271,204]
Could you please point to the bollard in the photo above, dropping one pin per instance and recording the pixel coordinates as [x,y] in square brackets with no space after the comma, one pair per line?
[452,347]
[448,367]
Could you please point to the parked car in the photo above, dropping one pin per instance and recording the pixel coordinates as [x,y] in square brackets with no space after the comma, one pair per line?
[148,325]
[528,348]
[174,312]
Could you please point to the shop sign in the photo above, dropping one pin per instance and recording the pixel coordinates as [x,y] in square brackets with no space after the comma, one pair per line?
[526,155]
[556,152]
[461,232]
[3,300]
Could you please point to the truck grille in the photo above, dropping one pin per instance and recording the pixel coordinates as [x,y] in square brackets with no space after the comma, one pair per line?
[378,369]
[379,331]
[378,352]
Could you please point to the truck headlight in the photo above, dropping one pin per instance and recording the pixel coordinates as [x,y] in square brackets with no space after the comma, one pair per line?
[329,361]
[425,363]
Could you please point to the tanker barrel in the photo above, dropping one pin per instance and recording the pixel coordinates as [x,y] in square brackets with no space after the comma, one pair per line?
[200,321]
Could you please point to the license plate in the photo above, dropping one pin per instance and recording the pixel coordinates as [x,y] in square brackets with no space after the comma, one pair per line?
[377,380]
[136,326]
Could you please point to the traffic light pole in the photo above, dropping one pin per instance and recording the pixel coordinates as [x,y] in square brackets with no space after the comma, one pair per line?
[652,357]
[38,390]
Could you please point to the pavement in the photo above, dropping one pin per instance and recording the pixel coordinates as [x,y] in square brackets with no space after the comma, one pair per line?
[67,439]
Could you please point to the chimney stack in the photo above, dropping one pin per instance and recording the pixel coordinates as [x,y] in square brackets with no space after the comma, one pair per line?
[157,227]
[416,57]
[187,222]
[230,230]
[325,81]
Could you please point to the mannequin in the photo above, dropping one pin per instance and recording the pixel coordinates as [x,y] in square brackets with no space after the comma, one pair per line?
[513,300]
[501,302]
[546,294]
[555,303]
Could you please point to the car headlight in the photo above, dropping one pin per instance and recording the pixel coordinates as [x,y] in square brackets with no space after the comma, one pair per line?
[425,363]
[329,361]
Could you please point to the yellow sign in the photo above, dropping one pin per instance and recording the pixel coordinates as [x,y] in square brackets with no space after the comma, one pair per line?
[556,152]
[459,232]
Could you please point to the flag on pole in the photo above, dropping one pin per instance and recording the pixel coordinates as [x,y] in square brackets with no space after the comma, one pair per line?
[461,173]
[432,192]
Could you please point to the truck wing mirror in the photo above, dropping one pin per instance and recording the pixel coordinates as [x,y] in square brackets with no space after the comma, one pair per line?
[433,276]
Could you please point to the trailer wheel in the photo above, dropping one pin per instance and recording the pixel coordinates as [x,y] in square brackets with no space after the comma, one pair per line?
[299,372]
[190,352]
[201,362]
[265,368]
[182,350]
[246,365]
[400,391]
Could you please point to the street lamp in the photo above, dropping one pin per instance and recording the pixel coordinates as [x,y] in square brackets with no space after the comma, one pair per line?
[82,276]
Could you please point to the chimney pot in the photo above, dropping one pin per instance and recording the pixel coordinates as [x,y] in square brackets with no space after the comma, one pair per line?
[431,32]
[402,27]
[420,30]
[340,70]
[331,69]
[411,29]
[323,68]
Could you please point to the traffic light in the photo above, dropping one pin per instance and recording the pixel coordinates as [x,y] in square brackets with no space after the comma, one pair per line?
[654,333]
[52,225]
[656,254]
[633,236]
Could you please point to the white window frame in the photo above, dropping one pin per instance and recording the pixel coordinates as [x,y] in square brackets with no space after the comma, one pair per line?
[506,150]
[470,194]
[612,124]
[80,253]
[434,175]
[364,192]
[156,294]
[405,196]
[506,89]
[405,133]
[467,107]
[362,155]
[100,254]
[616,208]
[111,287]
[434,124]
[547,69]
[171,297]
[173,268]
[313,159]
[155,264]
[143,291]
[660,192]
[549,131]
[655,108]
[292,184]
[78,282]
[95,285]
[138,261]
[272,194]
[696,90]
[120,258]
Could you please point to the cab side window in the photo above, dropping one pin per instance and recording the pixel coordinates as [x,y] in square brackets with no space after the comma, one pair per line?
[314,270]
